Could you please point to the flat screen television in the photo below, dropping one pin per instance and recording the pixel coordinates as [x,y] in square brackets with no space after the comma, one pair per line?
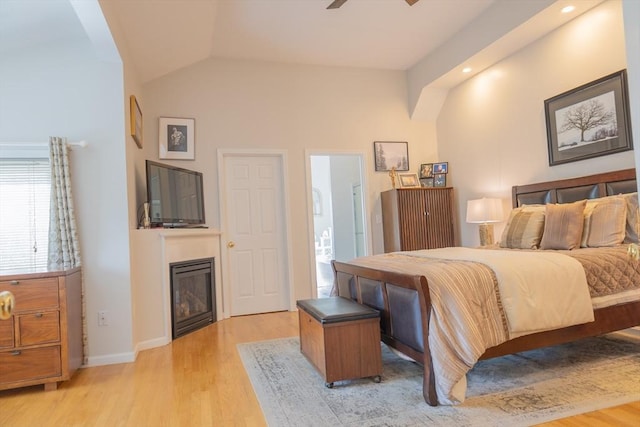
[175,196]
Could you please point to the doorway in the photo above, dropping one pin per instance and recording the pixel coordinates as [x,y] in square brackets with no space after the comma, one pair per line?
[339,223]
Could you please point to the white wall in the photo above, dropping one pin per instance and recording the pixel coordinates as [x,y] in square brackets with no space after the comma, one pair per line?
[135,172]
[321,181]
[345,172]
[64,90]
[631,10]
[492,128]
[245,104]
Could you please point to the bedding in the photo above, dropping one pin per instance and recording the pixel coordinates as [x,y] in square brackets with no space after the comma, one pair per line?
[477,297]
[447,313]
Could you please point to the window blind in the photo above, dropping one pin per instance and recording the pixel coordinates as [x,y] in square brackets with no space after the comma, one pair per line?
[25,188]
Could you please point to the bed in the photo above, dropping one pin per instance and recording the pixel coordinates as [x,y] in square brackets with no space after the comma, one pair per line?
[407,299]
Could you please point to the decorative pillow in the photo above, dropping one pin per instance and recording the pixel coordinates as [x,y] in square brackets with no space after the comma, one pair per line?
[588,210]
[632,234]
[607,223]
[563,225]
[523,229]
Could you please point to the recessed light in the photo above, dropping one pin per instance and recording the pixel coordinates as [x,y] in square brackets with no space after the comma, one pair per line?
[568,9]
[466,70]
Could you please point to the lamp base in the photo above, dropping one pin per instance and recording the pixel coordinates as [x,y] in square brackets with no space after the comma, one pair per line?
[486,235]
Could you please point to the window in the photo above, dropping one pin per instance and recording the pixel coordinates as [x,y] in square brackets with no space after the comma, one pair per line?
[25,187]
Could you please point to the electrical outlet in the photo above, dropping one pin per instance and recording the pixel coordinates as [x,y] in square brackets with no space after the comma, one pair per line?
[103,318]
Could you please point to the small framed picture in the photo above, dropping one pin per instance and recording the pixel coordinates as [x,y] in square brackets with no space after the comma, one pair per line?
[135,117]
[176,138]
[440,180]
[441,167]
[426,182]
[426,170]
[408,180]
[390,155]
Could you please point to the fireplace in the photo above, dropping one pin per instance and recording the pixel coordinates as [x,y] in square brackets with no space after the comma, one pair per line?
[193,304]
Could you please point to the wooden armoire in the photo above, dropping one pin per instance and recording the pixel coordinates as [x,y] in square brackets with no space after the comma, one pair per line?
[417,218]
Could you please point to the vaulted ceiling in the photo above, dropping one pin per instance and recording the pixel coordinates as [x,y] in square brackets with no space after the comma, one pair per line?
[431,40]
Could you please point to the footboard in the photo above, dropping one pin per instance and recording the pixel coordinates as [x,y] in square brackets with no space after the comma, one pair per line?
[405,308]
[404,304]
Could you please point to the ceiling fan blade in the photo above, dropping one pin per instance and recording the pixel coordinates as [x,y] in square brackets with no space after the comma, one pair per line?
[411,2]
[337,3]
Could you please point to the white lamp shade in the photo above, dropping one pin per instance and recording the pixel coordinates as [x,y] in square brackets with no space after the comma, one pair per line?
[484,210]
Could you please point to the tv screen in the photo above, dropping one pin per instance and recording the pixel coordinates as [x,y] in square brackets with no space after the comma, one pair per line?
[175,195]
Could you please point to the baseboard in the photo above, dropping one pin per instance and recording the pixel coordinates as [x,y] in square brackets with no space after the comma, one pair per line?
[113,359]
[110,359]
[156,342]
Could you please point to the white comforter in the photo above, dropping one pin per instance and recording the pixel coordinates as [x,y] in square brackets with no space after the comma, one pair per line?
[540,291]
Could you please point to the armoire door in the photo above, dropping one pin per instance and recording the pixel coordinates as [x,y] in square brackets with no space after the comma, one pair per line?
[439,217]
[412,207]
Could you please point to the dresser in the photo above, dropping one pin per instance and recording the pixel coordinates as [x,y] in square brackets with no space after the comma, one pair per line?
[417,218]
[41,343]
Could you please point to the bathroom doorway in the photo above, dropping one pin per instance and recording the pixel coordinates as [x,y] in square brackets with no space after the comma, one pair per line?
[339,221]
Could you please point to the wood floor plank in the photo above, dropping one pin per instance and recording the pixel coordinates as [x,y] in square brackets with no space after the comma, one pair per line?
[197,380]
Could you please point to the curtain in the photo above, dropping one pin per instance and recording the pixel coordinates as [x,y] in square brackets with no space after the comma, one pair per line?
[64,247]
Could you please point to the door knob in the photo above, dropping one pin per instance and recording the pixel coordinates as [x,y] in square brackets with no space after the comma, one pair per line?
[230,245]
[7,301]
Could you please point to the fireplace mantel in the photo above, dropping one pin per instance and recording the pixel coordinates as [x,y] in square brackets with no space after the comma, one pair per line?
[152,252]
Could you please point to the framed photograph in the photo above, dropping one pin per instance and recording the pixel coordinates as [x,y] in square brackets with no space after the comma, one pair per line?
[426,170]
[442,167]
[440,180]
[589,121]
[135,117]
[408,180]
[176,138]
[427,182]
[391,155]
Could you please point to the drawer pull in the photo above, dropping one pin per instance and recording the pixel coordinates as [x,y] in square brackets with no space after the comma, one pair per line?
[15,282]
[7,301]
[16,353]
[38,315]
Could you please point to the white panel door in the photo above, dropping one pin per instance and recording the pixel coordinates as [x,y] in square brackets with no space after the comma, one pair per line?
[255,238]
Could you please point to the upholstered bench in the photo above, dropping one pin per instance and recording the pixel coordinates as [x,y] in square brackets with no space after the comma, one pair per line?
[341,338]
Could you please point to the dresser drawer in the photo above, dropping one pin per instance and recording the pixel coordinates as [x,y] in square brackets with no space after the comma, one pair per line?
[37,328]
[32,363]
[33,294]
[6,333]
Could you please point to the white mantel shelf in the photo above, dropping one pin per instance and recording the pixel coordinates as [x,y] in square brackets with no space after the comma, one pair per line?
[154,250]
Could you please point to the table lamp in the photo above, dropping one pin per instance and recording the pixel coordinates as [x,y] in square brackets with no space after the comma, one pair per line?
[485,212]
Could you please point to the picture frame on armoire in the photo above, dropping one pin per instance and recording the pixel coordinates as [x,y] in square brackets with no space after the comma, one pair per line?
[408,180]
[440,180]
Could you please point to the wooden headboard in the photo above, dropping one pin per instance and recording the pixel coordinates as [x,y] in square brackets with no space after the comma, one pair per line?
[573,189]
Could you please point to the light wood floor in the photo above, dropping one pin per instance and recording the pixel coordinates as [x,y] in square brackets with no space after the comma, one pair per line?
[198,380]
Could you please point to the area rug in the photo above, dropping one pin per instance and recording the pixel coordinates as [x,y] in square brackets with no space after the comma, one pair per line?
[517,390]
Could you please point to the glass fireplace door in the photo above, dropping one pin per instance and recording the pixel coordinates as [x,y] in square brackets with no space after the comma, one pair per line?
[192,295]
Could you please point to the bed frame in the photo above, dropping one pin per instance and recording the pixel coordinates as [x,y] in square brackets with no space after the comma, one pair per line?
[404,303]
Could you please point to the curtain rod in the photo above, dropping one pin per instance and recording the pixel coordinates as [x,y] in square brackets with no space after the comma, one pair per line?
[81,144]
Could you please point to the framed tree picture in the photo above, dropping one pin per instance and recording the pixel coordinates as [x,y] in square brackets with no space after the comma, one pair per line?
[390,155]
[589,121]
